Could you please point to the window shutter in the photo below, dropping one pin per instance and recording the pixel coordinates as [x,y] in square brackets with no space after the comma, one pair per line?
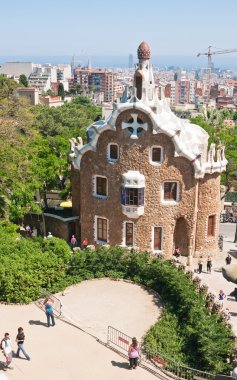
[211,225]
[157,238]
[129,234]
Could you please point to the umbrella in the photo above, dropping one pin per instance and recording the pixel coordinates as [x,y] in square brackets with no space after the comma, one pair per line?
[66,204]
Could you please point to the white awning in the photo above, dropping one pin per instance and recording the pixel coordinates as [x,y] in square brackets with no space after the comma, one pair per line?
[133,179]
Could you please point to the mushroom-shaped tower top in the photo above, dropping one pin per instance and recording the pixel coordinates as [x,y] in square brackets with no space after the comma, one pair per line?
[144,51]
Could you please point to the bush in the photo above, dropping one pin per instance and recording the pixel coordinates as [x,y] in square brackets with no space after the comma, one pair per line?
[28,266]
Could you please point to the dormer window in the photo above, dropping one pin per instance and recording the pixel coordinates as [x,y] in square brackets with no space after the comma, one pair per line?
[113,152]
[156,155]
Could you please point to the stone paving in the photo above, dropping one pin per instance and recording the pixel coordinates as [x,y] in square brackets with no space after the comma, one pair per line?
[64,352]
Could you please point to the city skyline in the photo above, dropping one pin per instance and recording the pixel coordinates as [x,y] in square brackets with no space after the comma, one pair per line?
[182,28]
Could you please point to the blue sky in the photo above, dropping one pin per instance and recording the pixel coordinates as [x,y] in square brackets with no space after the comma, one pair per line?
[103,27]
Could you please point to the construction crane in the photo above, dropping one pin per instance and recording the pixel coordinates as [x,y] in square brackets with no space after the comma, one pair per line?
[209,54]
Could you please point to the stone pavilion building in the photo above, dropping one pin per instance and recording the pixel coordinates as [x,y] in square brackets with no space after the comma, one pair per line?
[146,179]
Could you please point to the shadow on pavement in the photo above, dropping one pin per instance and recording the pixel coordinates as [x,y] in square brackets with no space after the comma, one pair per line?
[233,252]
[231,299]
[38,323]
[2,367]
[119,364]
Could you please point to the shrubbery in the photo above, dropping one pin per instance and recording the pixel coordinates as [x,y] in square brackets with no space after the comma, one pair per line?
[29,266]
[187,331]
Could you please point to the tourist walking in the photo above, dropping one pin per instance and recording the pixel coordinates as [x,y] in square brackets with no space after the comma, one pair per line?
[228,259]
[48,308]
[200,264]
[84,243]
[177,252]
[20,339]
[221,297]
[209,264]
[28,230]
[133,354]
[7,350]
[73,242]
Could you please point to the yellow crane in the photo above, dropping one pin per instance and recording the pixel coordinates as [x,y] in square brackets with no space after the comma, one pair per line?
[209,54]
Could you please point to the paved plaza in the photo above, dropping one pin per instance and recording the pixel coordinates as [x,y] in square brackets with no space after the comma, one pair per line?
[65,352]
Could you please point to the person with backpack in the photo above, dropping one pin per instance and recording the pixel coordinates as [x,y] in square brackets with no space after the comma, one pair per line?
[7,350]
[48,308]
[20,339]
[133,354]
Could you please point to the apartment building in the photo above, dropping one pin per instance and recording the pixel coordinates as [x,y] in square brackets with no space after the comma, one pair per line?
[96,80]
[15,69]
[40,81]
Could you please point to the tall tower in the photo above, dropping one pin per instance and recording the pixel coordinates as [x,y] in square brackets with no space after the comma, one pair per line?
[89,66]
[144,78]
[130,61]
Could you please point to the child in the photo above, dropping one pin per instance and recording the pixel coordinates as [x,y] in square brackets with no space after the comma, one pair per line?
[221,297]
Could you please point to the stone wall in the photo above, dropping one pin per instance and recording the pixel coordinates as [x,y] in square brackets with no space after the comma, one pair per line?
[209,204]
[135,155]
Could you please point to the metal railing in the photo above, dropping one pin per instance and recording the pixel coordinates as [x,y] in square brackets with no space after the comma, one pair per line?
[118,338]
[57,306]
[154,360]
[173,369]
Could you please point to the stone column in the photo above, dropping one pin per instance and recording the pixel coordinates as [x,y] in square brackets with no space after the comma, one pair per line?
[190,252]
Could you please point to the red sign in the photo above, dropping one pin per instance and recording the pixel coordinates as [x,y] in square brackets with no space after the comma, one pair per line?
[123,340]
[158,360]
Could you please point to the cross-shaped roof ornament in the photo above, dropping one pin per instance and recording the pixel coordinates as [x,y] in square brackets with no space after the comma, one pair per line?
[134,125]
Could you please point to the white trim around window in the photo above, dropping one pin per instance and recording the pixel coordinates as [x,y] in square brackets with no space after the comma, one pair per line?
[94,186]
[156,163]
[97,240]
[170,201]
[109,158]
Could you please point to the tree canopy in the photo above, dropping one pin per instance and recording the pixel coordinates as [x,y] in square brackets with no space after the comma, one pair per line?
[219,133]
[35,146]
[23,80]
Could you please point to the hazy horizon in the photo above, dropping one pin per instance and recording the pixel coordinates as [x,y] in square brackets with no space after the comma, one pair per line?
[121,61]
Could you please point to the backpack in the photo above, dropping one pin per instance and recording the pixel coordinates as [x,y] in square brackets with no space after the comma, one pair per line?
[1,345]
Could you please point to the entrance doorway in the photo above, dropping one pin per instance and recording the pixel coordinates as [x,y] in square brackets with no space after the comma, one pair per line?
[181,239]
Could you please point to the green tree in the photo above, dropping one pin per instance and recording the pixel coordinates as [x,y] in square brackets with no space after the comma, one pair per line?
[226,136]
[7,87]
[23,80]
[61,91]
